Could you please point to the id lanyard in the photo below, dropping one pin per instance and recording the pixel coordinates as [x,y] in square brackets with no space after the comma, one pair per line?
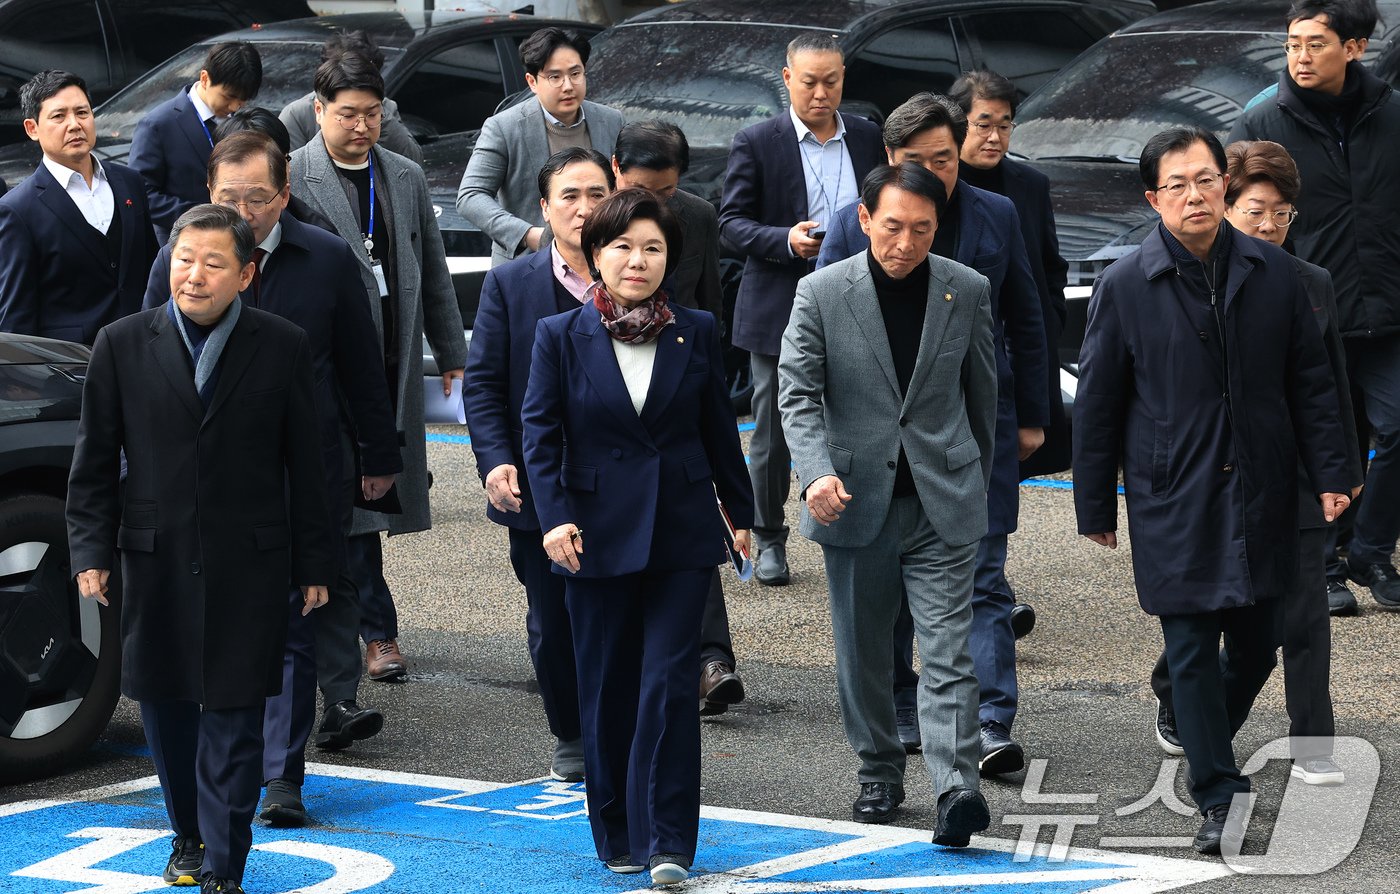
[202,126]
[369,236]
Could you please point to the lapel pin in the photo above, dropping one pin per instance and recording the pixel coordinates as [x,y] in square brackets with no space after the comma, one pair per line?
[680,340]
[128,203]
[947,296]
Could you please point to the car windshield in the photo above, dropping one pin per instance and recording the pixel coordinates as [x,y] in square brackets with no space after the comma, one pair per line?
[288,69]
[711,79]
[1113,99]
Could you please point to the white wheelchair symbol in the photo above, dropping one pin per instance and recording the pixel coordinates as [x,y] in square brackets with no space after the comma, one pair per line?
[554,801]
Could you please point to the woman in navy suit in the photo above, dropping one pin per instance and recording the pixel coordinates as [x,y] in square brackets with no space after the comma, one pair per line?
[628,434]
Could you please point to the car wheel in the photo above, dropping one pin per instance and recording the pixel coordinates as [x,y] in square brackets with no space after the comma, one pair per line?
[60,655]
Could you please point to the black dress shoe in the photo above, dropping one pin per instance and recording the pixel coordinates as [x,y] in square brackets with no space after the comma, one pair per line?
[906,723]
[1340,600]
[961,813]
[1167,738]
[720,687]
[1022,619]
[1383,580]
[282,807]
[1223,827]
[1000,753]
[771,569]
[346,722]
[877,801]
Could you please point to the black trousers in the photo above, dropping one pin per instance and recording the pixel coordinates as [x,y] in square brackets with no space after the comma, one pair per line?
[1305,633]
[548,632]
[210,768]
[1212,692]
[715,642]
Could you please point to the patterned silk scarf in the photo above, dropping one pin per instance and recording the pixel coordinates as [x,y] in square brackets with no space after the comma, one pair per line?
[637,326]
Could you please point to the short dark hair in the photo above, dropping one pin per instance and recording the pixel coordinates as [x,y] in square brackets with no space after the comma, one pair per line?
[348,71]
[1351,19]
[983,84]
[536,49]
[907,176]
[240,147]
[259,120]
[921,112]
[813,42]
[1261,161]
[1175,139]
[652,144]
[573,155]
[358,41]
[236,66]
[612,216]
[46,85]
[217,217]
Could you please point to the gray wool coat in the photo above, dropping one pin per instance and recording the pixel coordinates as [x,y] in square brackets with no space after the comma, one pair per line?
[426,301]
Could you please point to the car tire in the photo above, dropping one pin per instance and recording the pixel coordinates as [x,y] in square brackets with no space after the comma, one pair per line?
[39,518]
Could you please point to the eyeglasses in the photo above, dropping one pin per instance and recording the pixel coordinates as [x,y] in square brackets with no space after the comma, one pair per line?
[1255,217]
[557,78]
[1206,183]
[1314,47]
[985,129]
[350,122]
[255,206]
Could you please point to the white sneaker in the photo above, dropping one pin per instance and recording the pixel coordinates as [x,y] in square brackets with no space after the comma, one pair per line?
[1318,771]
[666,869]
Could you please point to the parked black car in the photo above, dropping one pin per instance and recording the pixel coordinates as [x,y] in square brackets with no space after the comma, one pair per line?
[60,655]
[110,43]
[1201,64]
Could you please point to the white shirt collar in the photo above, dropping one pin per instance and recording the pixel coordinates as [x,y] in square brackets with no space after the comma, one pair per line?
[557,123]
[803,130]
[273,239]
[64,174]
[205,113]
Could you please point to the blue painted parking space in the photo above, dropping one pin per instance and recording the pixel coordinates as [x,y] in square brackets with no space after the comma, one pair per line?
[396,833]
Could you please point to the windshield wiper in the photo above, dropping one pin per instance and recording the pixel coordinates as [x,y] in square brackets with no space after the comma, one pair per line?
[1115,159]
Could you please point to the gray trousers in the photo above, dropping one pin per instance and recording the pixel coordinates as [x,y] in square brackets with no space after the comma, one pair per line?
[866,585]
[770,463]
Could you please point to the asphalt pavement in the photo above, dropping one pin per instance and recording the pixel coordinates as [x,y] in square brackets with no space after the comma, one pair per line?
[469,708]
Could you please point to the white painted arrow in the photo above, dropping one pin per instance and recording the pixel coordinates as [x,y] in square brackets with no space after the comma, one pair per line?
[76,865]
[354,870]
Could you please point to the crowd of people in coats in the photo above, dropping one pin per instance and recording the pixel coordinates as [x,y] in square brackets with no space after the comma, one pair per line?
[238,458]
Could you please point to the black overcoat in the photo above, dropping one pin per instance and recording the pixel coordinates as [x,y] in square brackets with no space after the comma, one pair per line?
[1208,441]
[220,512]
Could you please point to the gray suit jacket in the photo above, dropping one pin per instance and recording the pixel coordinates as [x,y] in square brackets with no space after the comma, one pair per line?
[426,302]
[843,414]
[300,117]
[500,190]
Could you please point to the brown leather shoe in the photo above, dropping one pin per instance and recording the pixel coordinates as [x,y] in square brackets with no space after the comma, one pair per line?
[720,687]
[384,662]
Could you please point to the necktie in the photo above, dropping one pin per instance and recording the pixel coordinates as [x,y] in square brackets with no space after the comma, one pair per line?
[258,255]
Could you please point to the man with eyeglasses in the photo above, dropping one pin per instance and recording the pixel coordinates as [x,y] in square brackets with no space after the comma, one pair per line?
[1341,124]
[378,202]
[1203,377]
[499,193]
[310,277]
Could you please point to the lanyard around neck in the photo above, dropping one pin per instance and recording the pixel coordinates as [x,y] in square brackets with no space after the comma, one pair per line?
[369,236]
[202,126]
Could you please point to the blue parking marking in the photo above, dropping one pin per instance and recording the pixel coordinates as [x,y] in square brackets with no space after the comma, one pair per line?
[395,833]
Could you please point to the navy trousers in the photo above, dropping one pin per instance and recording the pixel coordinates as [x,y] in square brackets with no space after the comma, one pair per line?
[548,633]
[1374,367]
[991,640]
[210,768]
[365,563]
[1212,697]
[637,642]
[289,716]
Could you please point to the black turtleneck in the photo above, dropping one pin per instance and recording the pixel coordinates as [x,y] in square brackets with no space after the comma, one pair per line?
[903,303]
[990,179]
[1338,112]
[945,241]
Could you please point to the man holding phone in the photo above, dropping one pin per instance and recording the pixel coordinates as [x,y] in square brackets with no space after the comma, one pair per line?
[787,177]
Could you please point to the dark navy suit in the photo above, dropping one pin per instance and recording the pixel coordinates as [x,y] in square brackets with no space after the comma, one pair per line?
[990,242]
[514,298]
[311,279]
[170,149]
[642,488]
[59,275]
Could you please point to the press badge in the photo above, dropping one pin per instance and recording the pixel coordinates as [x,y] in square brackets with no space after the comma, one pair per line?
[378,269]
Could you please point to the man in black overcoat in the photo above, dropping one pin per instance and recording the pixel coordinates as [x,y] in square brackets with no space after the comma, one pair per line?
[222,505]
[1203,375]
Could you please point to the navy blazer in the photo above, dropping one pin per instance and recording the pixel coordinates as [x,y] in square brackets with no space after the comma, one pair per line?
[514,298]
[170,150]
[990,242]
[642,487]
[57,276]
[313,280]
[765,195]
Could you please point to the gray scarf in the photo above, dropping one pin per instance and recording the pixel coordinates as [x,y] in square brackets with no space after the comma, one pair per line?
[206,359]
